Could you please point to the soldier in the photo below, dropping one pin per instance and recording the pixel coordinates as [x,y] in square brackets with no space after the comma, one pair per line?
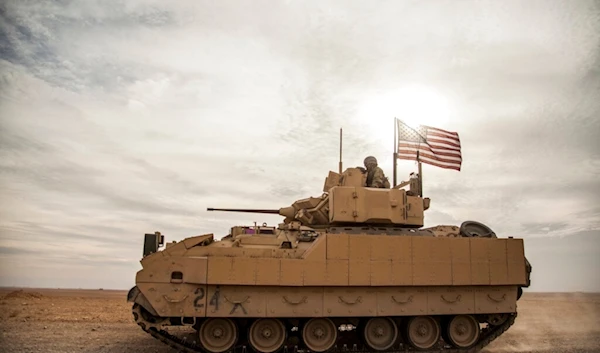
[375,176]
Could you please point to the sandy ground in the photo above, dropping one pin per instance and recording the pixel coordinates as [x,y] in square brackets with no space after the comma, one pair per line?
[51,320]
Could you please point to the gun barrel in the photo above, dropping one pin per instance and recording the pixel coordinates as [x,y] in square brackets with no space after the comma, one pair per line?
[249,210]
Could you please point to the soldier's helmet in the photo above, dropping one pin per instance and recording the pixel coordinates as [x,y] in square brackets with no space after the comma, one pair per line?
[370,160]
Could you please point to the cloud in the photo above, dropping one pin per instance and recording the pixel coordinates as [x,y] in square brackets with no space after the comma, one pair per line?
[5,250]
[125,117]
[38,37]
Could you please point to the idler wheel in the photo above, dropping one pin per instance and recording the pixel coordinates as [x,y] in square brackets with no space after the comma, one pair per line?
[463,331]
[217,334]
[471,229]
[380,333]
[319,334]
[267,335]
[423,332]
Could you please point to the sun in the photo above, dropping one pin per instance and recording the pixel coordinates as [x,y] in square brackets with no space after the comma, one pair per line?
[414,105]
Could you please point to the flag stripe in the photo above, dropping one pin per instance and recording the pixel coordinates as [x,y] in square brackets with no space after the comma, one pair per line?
[444,138]
[438,147]
[441,165]
[413,156]
[431,156]
[442,143]
[437,134]
[431,147]
[422,147]
[435,148]
[432,136]
[450,133]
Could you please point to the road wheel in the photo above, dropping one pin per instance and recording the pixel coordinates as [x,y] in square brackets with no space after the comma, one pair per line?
[380,333]
[267,335]
[463,331]
[319,334]
[217,334]
[423,332]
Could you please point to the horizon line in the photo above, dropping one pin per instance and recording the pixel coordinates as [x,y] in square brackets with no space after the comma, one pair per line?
[124,289]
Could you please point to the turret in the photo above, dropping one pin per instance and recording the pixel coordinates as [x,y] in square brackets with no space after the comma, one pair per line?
[346,201]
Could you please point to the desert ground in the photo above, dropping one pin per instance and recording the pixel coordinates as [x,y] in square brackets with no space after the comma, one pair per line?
[69,320]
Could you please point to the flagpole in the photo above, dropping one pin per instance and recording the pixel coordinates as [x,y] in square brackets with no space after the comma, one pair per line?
[420,177]
[395,150]
[420,170]
[340,164]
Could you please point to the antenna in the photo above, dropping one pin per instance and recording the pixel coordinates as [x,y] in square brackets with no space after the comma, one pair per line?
[340,165]
[395,156]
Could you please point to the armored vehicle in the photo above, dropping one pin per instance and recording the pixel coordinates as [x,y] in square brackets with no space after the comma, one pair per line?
[350,270]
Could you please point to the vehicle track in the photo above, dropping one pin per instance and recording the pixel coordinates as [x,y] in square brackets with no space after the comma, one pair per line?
[488,334]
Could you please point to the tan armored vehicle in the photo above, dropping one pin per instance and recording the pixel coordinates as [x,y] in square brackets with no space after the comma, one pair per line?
[350,270]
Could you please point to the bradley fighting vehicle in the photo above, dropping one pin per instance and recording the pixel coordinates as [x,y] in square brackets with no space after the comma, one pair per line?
[350,270]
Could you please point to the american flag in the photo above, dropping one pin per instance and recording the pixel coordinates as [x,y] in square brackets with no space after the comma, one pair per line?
[429,145]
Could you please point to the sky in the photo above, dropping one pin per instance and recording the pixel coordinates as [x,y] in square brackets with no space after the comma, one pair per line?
[119,118]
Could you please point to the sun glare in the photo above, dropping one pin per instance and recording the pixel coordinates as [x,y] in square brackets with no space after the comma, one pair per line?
[415,105]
